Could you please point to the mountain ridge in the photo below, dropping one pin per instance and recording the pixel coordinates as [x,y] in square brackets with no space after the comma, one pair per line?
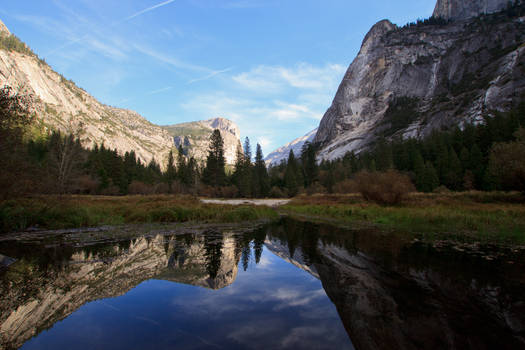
[60,105]
[409,81]
[281,153]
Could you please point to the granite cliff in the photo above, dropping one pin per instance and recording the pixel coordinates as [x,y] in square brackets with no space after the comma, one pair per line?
[460,9]
[61,105]
[435,74]
[194,137]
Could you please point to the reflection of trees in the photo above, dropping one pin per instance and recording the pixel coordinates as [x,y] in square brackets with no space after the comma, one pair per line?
[213,245]
[245,257]
[248,241]
[258,243]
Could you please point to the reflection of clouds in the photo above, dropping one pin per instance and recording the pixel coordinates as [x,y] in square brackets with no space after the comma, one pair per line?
[272,304]
[316,337]
[264,263]
[291,298]
[247,333]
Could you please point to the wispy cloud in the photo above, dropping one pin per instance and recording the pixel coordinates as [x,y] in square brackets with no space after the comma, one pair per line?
[211,75]
[146,10]
[158,91]
[303,76]
[170,60]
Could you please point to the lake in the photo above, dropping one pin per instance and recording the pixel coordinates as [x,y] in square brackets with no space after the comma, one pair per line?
[289,285]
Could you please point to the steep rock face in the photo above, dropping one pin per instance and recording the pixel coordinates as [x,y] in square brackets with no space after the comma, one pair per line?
[433,75]
[194,137]
[464,9]
[282,153]
[60,105]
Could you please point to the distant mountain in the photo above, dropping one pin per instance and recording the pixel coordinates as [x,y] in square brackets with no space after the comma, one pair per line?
[61,105]
[449,70]
[282,153]
[194,137]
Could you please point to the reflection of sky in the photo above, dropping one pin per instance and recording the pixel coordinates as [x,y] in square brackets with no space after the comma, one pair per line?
[271,305]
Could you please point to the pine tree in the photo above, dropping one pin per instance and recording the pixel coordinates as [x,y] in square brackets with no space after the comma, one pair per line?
[308,161]
[192,172]
[291,175]
[182,169]
[260,178]
[419,170]
[214,173]
[242,175]
[454,171]
[430,178]
[247,150]
[171,173]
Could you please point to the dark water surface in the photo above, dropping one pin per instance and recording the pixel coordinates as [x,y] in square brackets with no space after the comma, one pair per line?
[291,285]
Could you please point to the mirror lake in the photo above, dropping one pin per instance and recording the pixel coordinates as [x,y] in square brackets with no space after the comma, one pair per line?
[290,284]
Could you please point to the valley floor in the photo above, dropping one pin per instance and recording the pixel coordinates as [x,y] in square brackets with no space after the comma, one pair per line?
[489,217]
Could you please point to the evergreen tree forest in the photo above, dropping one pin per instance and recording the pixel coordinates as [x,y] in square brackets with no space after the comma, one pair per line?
[487,156]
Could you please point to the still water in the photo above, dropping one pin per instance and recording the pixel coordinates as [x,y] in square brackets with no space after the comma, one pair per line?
[290,285]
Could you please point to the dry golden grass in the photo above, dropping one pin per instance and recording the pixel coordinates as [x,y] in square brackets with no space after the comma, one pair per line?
[81,211]
[469,215]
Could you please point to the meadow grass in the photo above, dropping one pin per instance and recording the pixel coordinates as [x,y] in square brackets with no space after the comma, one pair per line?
[56,212]
[488,217]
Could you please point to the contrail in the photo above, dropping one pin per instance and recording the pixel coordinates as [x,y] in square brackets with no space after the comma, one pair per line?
[148,10]
[71,42]
[211,75]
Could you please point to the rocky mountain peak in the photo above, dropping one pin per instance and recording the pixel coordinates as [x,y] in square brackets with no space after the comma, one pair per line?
[465,9]
[376,32]
[3,29]
[224,125]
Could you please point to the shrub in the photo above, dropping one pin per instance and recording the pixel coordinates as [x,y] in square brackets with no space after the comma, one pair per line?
[228,191]
[315,188]
[162,188]
[276,192]
[346,186]
[386,188]
[138,187]
[442,190]
[507,163]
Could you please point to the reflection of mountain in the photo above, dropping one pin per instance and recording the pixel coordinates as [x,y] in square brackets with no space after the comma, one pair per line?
[36,293]
[391,295]
[294,258]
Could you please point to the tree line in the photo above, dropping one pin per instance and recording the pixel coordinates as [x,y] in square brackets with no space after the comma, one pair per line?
[487,156]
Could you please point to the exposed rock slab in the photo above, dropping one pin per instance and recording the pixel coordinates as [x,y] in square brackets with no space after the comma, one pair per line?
[453,73]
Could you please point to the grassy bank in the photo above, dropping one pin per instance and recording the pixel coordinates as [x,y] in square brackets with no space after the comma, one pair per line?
[486,217]
[54,212]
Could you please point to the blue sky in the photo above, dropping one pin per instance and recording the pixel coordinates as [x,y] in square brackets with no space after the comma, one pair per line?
[272,66]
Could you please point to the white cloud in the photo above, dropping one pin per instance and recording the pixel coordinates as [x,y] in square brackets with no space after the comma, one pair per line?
[274,79]
[265,95]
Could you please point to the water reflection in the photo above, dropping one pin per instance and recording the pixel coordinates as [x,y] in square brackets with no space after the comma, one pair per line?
[287,285]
